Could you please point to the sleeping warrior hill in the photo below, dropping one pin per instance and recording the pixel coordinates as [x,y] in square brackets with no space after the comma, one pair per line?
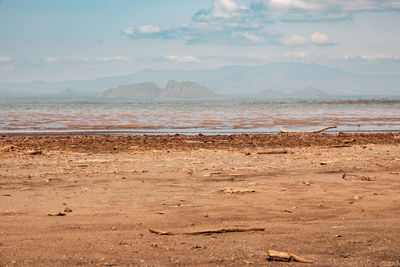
[173,91]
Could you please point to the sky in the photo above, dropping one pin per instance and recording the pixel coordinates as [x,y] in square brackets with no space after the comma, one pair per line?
[86,39]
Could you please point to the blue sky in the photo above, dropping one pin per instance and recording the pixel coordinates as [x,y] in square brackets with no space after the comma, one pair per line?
[84,39]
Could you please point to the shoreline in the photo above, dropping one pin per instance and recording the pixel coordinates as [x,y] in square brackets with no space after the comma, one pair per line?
[170,132]
[120,143]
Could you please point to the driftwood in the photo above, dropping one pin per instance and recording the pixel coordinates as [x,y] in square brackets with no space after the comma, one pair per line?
[316,131]
[207,232]
[272,152]
[56,214]
[283,256]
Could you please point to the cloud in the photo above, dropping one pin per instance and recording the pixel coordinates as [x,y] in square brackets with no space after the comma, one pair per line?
[51,60]
[225,22]
[328,10]
[5,64]
[253,37]
[7,68]
[292,4]
[182,59]
[319,38]
[301,54]
[296,40]
[4,59]
[148,29]
[130,31]
[316,39]
[107,59]
[87,60]
[373,57]
[228,22]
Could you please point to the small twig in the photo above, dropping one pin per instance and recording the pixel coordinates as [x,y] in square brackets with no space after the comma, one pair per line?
[316,131]
[208,232]
[272,152]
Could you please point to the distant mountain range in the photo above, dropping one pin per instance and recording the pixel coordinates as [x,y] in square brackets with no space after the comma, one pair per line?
[173,91]
[308,93]
[271,81]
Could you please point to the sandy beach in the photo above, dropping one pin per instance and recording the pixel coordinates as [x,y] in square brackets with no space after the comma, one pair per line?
[333,199]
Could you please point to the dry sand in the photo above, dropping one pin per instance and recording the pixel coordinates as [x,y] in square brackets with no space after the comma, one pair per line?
[331,199]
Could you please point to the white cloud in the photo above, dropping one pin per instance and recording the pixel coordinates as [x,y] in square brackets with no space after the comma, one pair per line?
[225,9]
[252,21]
[316,38]
[379,57]
[88,60]
[85,59]
[253,37]
[111,59]
[182,59]
[301,54]
[128,31]
[5,59]
[296,40]
[7,68]
[319,38]
[147,29]
[293,4]
[226,4]
[51,60]
[314,10]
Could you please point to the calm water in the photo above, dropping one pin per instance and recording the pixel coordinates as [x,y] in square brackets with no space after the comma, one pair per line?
[193,117]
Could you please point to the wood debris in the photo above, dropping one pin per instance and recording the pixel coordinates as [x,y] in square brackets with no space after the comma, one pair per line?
[316,131]
[348,141]
[56,214]
[273,255]
[67,209]
[208,232]
[34,152]
[356,177]
[273,152]
[237,190]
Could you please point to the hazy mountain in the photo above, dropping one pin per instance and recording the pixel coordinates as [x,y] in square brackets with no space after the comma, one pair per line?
[138,91]
[270,94]
[173,91]
[309,93]
[186,90]
[286,77]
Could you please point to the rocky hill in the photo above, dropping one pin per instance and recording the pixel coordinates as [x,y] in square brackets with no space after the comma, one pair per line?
[186,90]
[173,91]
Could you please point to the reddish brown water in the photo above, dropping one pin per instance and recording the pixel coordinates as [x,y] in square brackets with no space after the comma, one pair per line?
[193,118]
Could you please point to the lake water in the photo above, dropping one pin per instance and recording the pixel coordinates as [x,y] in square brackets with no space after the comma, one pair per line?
[193,118]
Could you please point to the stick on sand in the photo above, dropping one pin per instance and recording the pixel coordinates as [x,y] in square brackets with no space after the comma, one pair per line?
[316,131]
[208,232]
